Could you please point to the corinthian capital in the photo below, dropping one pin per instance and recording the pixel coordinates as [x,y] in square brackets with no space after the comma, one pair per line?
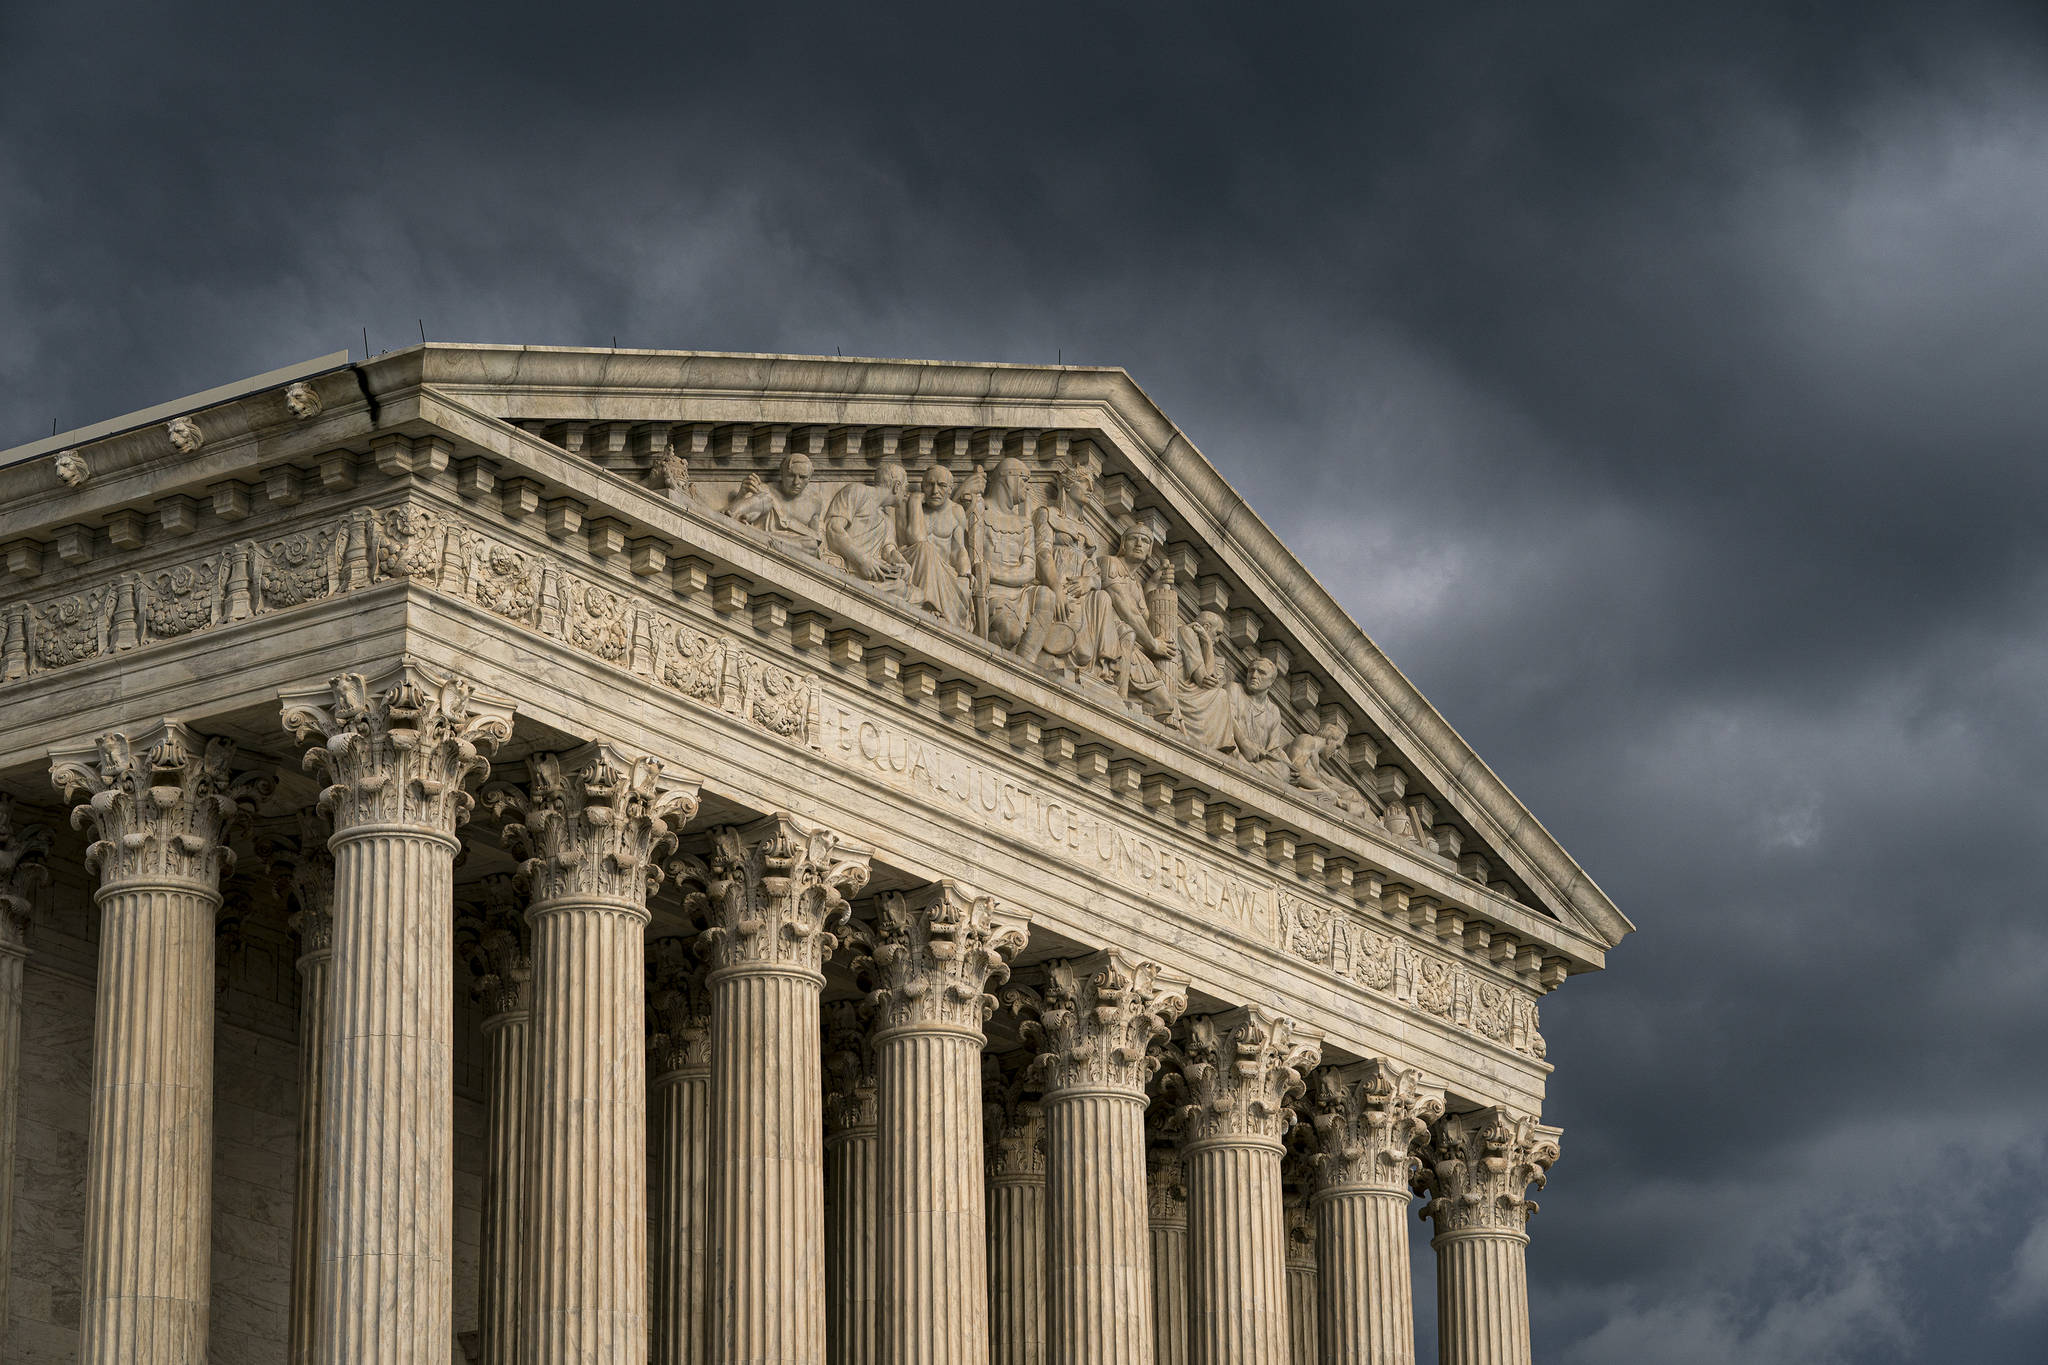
[1371,1123]
[678,1007]
[1013,1120]
[1096,1019]
[776,893]
[1239,1072]
[161,804]
[1166,1184]
[593,823]
[302,874]
[399,753]
[493,938]
[22,850]
[935,955]
[852,1100]
[1479,1167]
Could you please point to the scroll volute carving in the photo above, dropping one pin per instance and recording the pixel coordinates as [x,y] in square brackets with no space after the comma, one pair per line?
[1095,1020]
[1237,1074]
[1479,1167]
[678,1007]
[593,823]
[161,804]
[400,754]
[1371,1124]
[23,850]
[936,954]
[776,895]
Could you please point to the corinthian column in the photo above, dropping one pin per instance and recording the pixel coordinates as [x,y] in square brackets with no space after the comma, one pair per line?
[1301,1278]
[1094,1026]
[936,954]
[1014,1122]
[592,823]
[853,1309]
[777,891]
[1238,1071]
[1371,1121]
[1167,1192]
[303,871]
[1478,1168]
[679,1060]
[160,808]
[397,757]
[21,872]
[502,960]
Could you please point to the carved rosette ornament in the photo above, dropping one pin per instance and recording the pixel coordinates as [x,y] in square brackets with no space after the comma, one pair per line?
[1096,1018]
[1239,1073]
[592,824]
[851,1102]
[23,849]
[678,1008]
[778,895]
[1479,1168]
[402,754]
[160,806]
[1371,1124]
[935,957]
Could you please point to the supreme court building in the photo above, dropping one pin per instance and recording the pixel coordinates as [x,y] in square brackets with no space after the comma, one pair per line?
[553,857]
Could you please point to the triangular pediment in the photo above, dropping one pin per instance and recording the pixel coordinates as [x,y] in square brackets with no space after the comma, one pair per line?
[1021,488]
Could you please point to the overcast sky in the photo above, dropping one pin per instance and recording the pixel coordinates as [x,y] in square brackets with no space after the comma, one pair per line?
[1665,388]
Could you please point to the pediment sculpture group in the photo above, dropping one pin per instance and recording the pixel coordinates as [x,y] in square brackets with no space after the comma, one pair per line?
[1038,579]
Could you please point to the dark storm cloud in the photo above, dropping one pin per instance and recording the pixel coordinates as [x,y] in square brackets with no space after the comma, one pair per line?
[1660,388]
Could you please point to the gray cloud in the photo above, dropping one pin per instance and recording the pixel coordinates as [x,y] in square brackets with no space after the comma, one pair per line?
[1660,388]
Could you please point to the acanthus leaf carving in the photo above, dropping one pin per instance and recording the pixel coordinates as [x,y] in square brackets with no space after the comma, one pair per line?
[161,804]
[401,753]
[1238,1073]
[678,1006]
[936,955]
[302,875]
[24,850]
[777,895]
[492,937]
[1479,1167]
[852,1094]
[1013,1119]
[1371,1124]
[1095,1020]
[593,824]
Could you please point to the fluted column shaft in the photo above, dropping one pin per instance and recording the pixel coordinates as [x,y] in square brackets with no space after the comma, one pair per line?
[1365,1305]
[1100,1253]
[852,1183]
[13,958]
[586,1213]
[308,1183]
[1237,1284]
[508,1070]
[388,1229]
[1016,1268]
[931,1215]
[681,1103]
[767,1191]
[1301,1304]
[1482,1297]
[1170,1279]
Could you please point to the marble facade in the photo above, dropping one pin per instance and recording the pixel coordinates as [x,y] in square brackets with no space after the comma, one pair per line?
[541,855]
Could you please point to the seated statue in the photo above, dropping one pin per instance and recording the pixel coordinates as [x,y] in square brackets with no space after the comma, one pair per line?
[860,526]
[790,510]
[933,533]
[1203,691]
[1259,731]
[1124,646]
